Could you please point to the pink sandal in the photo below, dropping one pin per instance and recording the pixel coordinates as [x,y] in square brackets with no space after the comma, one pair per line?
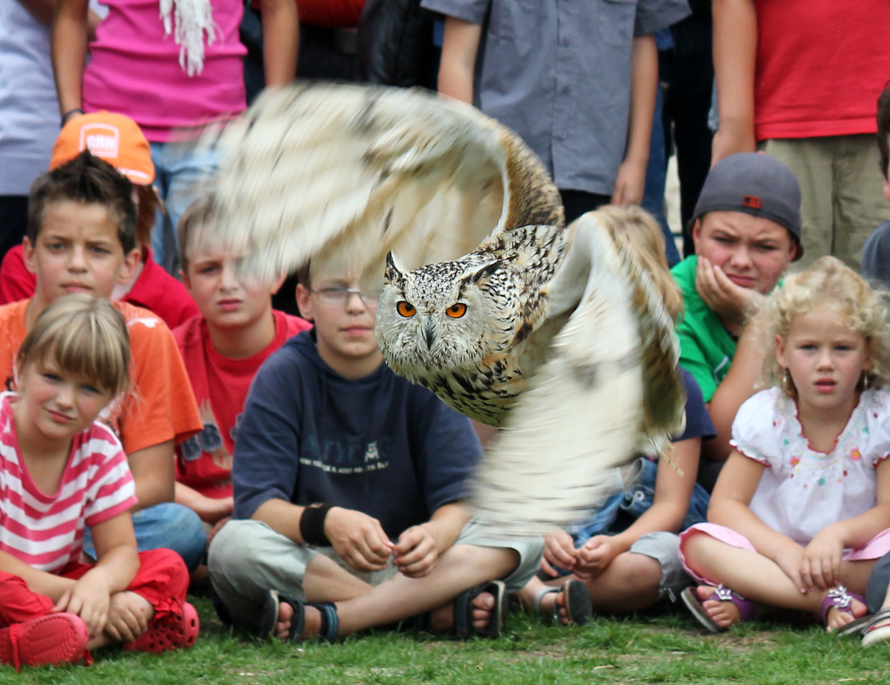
[51,639]
[842,599]
[171,631]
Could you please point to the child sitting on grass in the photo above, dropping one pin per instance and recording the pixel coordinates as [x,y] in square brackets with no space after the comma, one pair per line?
[61,470]
[625,557]
[223,348]
[82,238]
[801,510]
[348,487]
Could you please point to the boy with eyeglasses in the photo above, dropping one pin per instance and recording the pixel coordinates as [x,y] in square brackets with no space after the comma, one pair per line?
[348,486]
[222,348]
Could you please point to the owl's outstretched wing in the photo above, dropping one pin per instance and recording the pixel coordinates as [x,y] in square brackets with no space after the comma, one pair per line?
[358,171]
[586,407]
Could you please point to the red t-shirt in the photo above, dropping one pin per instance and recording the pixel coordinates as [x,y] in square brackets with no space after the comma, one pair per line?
[204,461]
[821,65]
[155,289]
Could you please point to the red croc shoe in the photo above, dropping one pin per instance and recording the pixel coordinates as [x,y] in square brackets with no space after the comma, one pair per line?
[168,632]
[50,639]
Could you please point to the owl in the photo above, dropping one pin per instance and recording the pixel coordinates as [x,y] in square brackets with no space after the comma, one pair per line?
[554,333]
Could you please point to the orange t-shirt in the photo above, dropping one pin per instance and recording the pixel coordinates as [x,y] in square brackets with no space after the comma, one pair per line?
[159,406]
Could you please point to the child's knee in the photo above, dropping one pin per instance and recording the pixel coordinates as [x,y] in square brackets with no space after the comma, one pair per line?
[640,571]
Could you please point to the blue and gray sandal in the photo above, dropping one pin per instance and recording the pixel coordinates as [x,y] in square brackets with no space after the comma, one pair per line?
[330,622]
[463,611]
[578,604]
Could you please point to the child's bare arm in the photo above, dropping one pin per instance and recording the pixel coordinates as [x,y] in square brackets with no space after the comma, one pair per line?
[115,569]
[281,32]
[460,44]
[821,564]
[69,49]
[730,507]
[41,582]
[735,55]
[208,508]
[738,385]
[419,547]
[673,492]
[631,180]
[153,474]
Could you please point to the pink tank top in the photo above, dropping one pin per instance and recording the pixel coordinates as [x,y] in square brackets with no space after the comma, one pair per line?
[134,69]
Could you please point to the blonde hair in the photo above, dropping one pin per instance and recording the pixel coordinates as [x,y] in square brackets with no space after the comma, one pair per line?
[829,283]
[84,336]
[638,231]
[197,215]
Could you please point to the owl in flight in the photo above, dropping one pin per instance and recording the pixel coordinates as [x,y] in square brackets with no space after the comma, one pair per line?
[554,333]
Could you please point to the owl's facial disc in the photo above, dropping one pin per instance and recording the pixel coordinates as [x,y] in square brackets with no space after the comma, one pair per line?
[433,321]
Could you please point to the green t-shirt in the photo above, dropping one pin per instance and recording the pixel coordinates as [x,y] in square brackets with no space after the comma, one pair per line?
[706,347]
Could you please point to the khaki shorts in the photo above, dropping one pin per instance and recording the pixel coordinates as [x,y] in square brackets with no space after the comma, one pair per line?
[248,558]
[665,549]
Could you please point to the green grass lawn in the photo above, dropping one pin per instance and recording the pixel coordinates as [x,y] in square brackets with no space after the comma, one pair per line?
[664,649]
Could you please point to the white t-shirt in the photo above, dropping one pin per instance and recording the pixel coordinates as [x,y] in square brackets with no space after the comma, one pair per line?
[29,108]
[801,490]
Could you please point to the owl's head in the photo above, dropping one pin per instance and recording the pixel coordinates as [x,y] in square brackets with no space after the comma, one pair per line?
[445,316]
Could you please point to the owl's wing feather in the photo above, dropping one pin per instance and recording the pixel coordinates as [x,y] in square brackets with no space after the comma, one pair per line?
[552,464]
[359,171]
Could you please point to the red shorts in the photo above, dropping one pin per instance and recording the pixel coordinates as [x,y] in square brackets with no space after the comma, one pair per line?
[162,579]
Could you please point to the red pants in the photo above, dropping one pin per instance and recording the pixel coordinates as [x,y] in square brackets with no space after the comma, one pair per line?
[162,579]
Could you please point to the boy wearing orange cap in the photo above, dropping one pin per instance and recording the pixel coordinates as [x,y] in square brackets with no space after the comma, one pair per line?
[82,238]
[120,142]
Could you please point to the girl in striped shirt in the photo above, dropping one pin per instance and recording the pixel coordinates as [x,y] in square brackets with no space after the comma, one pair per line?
[61,470]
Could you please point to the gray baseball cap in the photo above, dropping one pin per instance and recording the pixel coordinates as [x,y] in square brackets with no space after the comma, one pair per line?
[756,184]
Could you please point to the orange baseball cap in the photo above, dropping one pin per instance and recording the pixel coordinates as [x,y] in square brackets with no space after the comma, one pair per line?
[113,137]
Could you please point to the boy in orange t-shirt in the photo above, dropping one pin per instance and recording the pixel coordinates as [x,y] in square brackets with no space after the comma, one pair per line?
[81,237]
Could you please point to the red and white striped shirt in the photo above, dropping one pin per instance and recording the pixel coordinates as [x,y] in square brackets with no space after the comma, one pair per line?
[46,531]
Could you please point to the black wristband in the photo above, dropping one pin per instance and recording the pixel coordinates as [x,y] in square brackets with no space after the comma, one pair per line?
[67,114]
[312,524]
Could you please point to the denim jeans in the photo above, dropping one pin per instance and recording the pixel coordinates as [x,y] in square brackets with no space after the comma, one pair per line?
[181,173]
[165,525]
[656,177]
[636,499]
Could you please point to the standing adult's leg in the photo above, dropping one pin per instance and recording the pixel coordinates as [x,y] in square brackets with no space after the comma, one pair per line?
[812,162]
[860,205]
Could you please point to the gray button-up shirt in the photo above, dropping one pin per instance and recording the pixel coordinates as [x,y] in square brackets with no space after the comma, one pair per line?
[558,73]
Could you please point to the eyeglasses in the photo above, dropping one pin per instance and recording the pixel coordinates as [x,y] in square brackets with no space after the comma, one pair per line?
[342,295]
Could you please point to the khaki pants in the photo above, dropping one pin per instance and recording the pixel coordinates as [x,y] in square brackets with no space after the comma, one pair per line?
[841,186]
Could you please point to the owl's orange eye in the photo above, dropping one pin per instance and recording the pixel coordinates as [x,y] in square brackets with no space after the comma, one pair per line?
[456,311]
[406,308]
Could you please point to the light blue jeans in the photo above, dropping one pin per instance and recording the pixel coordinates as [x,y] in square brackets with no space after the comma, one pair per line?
[165,525]
[182,171]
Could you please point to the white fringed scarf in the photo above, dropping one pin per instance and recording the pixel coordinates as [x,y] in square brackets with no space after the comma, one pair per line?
[192,19]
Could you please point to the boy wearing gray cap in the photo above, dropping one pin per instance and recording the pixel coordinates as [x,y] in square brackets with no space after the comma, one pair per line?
[746,230]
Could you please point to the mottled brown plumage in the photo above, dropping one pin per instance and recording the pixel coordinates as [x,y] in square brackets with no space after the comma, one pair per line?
[560,329]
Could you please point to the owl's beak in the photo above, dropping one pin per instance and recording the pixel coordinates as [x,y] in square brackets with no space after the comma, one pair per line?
[429,334]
